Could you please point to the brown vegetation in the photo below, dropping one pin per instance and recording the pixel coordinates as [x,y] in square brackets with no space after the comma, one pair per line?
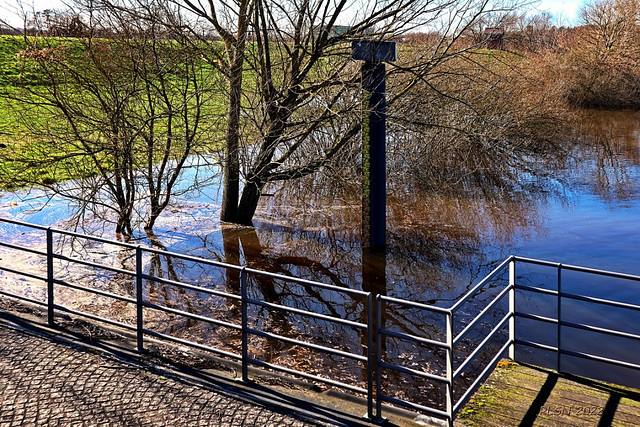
[597,65]
[477,121]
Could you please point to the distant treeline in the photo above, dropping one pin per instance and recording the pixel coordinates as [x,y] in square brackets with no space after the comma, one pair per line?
[5,31]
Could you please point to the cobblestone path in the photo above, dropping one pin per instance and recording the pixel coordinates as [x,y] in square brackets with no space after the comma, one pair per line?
[44,382]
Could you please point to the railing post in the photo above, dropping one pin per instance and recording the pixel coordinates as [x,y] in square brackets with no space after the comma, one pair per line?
[245,324]
[378,355]
[371,359]
[449,361]
[139,301]
[512,310]
[50,287]
[559,312]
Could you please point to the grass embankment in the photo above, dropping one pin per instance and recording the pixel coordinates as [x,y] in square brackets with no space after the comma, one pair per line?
[16,118]
[70,108]
[13,133]
[10,71]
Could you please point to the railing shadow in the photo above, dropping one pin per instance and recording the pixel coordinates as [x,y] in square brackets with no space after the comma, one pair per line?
[544,404]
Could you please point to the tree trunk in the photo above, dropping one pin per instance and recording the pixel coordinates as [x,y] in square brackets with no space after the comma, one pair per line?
[151,222]
[231,169]
[123,225]
[249,202]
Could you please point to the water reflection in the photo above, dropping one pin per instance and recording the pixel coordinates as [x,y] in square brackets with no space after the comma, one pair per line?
[439,243]
[609,155]
[436,244]
[243,242]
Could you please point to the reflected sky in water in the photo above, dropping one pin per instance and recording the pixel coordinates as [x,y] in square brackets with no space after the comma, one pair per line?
[595,223]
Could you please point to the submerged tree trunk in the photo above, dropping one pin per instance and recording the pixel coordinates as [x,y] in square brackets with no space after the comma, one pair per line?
[123,225]
[249,203]
[151,222]
[235,47]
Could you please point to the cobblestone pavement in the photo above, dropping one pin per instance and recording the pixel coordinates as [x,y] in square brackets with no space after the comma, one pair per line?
[46,381]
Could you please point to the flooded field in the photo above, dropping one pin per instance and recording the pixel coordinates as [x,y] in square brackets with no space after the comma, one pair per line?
[584,210]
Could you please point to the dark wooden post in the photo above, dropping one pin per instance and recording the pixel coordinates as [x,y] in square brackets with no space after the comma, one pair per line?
[374,178]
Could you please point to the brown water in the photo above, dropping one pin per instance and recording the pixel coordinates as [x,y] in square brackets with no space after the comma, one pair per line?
[582,211]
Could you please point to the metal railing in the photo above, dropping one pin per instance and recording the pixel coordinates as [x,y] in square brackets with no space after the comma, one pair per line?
[453,371]
[479,329]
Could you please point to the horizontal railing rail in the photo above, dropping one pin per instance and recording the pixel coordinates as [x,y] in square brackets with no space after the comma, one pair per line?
[560,295]
[478,329]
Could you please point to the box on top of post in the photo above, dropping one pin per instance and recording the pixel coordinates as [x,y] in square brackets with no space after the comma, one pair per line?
[374,51]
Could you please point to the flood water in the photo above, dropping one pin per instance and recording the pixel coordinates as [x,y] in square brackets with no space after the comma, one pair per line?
[584,211]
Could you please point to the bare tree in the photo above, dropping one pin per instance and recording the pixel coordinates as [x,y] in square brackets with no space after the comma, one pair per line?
[612,23]
[123,114]
[293,91]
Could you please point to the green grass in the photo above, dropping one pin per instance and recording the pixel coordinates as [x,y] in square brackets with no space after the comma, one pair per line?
[15,71]
[19,138]
[10,69]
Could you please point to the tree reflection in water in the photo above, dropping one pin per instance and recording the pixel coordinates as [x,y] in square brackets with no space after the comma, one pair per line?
[431,245]
[242,246]
[609,150]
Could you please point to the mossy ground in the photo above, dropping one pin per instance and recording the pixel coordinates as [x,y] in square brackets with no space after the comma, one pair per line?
[525,395]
